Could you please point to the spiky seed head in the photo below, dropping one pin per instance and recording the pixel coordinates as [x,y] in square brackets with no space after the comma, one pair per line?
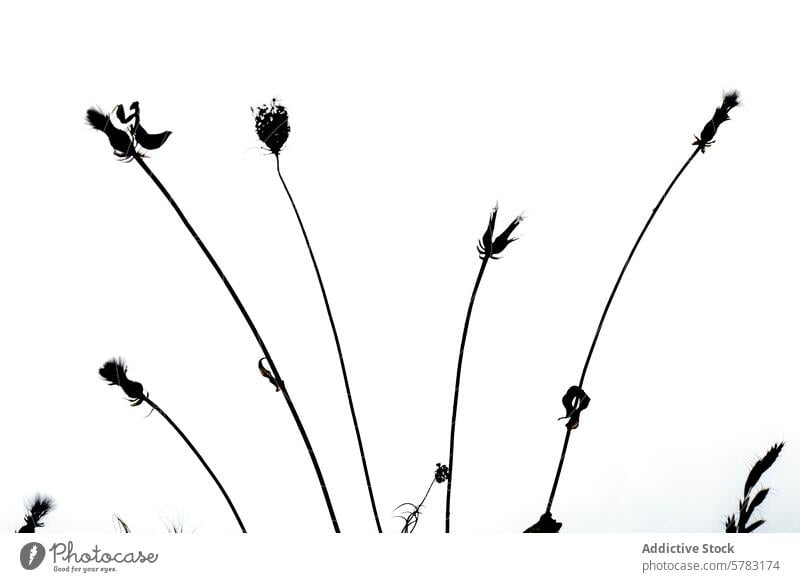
[272,125]
[729,100]
[491,247]
[114,372]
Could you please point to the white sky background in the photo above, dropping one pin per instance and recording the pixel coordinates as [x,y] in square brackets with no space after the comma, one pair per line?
[407,125]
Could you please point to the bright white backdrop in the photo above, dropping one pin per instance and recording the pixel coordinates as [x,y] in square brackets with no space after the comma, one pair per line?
[408,123]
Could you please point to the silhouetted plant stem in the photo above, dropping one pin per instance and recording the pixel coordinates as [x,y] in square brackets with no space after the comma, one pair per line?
[484,262]
[558,471]
[199,457]
[608,305]
[277,378]
[408,527]
[338,344]
[627,261]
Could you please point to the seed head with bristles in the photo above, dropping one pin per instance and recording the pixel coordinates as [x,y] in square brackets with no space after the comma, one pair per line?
[114,372]
[750,502]
[492,247]
[272,125]
[119,139]
[36,511]
[127,137]
[729,101]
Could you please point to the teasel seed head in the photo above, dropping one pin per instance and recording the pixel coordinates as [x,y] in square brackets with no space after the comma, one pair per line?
[114,372]
[272,125]
[729,101]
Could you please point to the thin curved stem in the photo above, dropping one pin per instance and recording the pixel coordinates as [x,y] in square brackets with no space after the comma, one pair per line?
[608,305]
[338,345]
[278,380]
[201,459]
[627,261]
[421,503]
[558,471]
[484,262]
[416,511]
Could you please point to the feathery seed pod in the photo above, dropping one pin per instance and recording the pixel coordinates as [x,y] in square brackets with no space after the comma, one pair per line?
[729,101]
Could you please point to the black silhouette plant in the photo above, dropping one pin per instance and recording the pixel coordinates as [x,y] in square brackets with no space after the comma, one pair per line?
[35,512]
[131,138]
[134,134]
[115,373]
[272,128]
[729,101]
[489,247]
[410,517]
[272,125]
[748,504]
[120,525]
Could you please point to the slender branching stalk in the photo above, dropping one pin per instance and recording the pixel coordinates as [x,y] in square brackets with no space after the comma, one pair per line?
[272,127]
[488,248]
[729,101]
[749,502]
[115,373]
[35,512]
[128,150]
[410,517]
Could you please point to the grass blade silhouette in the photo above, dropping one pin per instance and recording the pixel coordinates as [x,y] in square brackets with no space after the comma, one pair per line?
[272,127]
[115,373]
[272,374]
[729,101]
[748,504]
[488,248]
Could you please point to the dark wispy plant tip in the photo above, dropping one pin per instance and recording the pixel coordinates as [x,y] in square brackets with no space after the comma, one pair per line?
[761,467]
[120,140]
[128,134]
[492,247]
[729,101]
[36,511]
[114,372]
[272,125]
[750,502]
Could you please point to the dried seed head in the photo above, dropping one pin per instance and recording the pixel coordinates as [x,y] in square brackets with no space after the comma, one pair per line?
[115,373]
[36,511]
[442,473]
[119,139]
[129,135]
[491,247]
[729,101]
[272,125]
